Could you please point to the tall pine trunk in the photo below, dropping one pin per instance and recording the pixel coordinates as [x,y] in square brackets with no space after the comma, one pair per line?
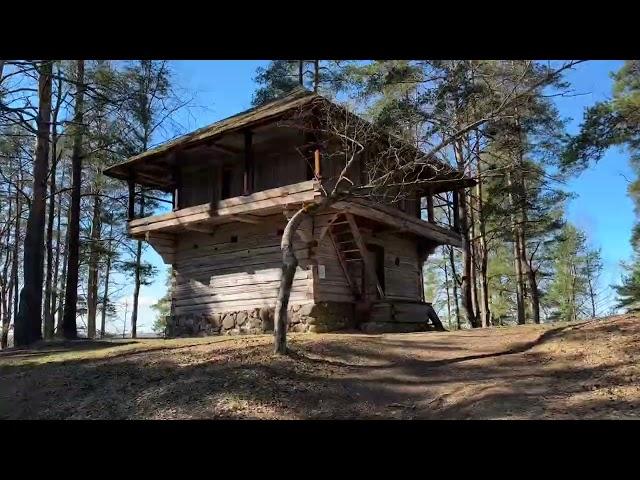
[48,311]
[92,284]
[6,286]
[467,266]
[105,295]
[14,261]
[474,257]
[138,279]
[48,314]
[63,276]
[28,323]
[485,314]
[454,277]
[446,286]
[69,327]
[55,291]
[515,226]
[528,268]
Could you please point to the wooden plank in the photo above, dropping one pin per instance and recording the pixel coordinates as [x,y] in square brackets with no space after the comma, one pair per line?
[369,269]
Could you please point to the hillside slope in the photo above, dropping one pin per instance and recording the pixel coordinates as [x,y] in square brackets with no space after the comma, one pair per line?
[584,370]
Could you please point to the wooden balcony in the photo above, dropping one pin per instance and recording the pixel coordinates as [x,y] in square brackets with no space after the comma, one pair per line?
[246,208]
[252,208]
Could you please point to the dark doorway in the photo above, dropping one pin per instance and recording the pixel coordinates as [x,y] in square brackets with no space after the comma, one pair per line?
[376,256]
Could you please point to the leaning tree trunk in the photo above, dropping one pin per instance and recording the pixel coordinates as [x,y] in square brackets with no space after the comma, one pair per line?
[69,328]
[289,265]
[28,323]
[92,284]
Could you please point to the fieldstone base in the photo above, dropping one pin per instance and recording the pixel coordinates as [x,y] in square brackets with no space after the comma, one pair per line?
[317,318]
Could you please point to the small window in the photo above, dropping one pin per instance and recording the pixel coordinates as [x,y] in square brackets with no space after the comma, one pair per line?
[234,239]
[227,176]
[195,245]
[397,262]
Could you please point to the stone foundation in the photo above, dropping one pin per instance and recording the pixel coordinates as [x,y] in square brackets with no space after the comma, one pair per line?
[317,318]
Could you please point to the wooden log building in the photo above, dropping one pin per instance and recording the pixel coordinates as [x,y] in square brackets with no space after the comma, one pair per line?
[233,186]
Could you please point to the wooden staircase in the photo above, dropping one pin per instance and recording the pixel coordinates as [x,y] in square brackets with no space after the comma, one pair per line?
[352,254]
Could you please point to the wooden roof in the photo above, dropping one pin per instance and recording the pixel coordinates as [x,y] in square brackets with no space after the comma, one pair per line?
[152,168]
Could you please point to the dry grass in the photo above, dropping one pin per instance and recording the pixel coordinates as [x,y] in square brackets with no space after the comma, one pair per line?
[585,370]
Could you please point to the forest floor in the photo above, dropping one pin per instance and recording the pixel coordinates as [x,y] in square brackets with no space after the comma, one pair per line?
[581,370]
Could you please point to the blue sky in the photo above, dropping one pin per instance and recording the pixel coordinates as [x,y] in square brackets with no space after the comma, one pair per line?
[602,208]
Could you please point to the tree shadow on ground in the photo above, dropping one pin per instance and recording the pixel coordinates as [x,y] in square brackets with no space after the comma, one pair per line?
[338,378]
[58,346]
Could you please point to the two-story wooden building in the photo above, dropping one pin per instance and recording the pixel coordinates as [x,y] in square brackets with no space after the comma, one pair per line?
[233,185]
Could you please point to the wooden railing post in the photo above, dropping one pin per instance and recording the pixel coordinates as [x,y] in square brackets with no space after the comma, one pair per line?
[430,216]
[316,157]
[456,209]
[176,188]
[248,163]
[132,197]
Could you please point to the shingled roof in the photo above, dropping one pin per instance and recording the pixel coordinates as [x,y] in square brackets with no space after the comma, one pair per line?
[297,98]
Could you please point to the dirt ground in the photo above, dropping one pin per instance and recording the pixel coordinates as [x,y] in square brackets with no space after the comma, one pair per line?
[576,371]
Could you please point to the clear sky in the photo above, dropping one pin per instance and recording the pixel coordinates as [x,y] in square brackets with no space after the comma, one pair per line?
[602,208]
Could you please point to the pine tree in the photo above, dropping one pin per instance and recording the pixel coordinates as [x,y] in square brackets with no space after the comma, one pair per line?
[606,124]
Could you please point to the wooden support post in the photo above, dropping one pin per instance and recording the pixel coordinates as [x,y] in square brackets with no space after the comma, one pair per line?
[177,185]
[430,216]
[316,158]
[132,197]
[248,163]
[456,210]
[369,269]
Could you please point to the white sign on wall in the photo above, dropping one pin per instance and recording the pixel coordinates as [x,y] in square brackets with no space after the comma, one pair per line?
[321,272]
